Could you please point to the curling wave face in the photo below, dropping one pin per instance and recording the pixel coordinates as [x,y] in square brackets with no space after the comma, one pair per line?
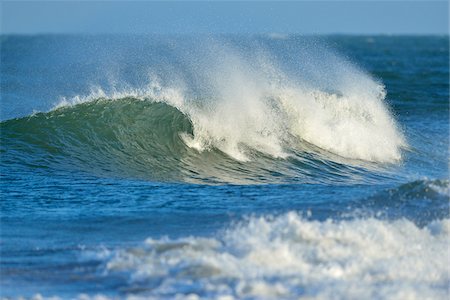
[240,119]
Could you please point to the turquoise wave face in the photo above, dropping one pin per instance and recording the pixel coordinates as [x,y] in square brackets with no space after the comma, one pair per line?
[151,140]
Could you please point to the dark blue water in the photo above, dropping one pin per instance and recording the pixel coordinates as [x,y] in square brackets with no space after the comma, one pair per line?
[242,167]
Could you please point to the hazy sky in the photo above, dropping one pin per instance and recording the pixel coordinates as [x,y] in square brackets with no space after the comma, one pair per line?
[307,17]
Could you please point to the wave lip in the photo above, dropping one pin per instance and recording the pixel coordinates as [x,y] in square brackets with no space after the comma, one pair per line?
[289,257]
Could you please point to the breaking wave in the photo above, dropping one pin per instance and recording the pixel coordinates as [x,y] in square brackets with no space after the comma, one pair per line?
[238,119]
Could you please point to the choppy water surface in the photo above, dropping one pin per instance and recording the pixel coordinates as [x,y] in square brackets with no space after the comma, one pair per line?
[225,167]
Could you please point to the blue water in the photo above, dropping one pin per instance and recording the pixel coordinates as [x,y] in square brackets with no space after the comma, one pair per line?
[242,167]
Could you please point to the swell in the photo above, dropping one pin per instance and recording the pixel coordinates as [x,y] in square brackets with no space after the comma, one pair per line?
[150,139]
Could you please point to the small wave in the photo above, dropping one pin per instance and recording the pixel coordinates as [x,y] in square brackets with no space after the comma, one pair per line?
[420,201]
[419,190]
[289,257]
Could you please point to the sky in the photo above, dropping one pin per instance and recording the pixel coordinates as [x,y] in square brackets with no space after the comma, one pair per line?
[209,17]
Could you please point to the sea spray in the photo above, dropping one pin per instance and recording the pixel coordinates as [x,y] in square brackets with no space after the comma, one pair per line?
[239,103]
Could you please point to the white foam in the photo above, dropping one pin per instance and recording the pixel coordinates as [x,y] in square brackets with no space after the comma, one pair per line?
[243,103]
[153,92]
[289,257]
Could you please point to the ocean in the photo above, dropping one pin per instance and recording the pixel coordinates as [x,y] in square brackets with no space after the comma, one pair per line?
[224,167]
